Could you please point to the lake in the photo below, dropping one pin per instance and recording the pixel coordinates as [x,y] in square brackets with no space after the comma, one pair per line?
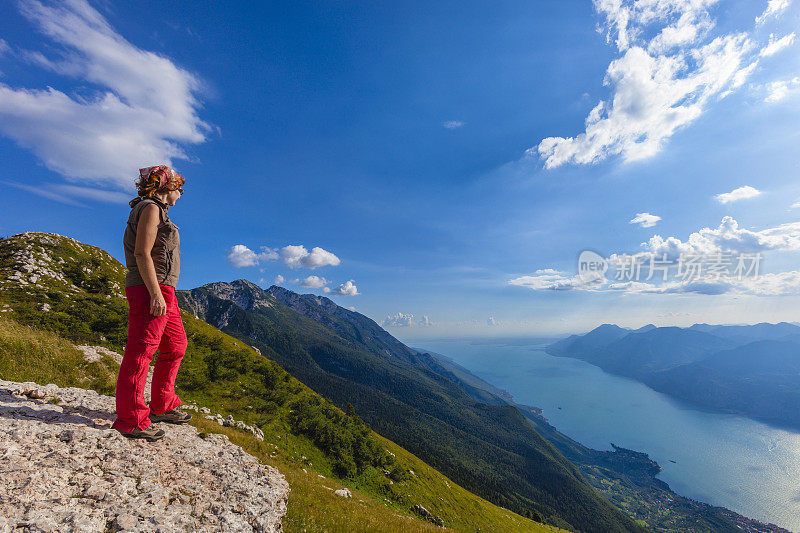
[722,459]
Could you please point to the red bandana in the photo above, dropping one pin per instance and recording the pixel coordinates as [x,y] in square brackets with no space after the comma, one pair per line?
[161,178]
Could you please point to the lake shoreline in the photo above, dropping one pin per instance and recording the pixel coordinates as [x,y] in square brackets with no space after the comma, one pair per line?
[628,478]
[643,471]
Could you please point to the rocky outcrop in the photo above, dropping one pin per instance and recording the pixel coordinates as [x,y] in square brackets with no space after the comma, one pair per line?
[62,468]
[427,515]
[33,259]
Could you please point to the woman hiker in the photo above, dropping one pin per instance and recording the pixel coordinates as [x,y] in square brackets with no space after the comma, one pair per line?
[153,256]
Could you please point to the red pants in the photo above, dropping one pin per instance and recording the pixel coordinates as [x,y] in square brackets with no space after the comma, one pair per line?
[146,334]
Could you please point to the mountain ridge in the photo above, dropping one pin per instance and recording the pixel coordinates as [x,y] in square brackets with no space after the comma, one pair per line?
[404,399]
[691,364]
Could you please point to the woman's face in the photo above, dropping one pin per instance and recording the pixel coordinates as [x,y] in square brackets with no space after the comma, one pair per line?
[172,197]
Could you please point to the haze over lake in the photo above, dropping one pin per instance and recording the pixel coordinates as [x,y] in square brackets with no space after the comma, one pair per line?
[722,459]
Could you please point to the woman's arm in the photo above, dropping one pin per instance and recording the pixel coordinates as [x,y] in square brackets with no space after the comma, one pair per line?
[145,238]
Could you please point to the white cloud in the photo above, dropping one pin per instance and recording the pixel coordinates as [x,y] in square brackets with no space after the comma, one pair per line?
[294,256]
[145,110]
[297,256]
[492,321]
[4,48]
[776,45]
[398,320]
[452,124]
[645,220]
[314,282]
[773,284]
[778,90]
[278,280]
[735,195]
[728,237]
[764,284]
[658,85]
[403,320]
[550,279]
[774,7]
[733,273]
[242,256]
[352,308]
[347,288]
[769,284]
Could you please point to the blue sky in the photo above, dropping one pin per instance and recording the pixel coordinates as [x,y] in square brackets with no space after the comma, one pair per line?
[438,166]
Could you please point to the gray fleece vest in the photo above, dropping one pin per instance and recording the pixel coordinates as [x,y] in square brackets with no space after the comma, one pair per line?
[166,252]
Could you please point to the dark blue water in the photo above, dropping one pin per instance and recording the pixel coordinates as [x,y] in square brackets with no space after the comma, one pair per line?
[726,460]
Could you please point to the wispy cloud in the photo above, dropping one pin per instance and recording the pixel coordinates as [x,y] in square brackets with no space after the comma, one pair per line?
[452,124]
[645,220]
[773,9]
[669,70]
[780,89]
[742,193]
[554,280]
[144,111]
[776,45]
[67,194]
[45,193]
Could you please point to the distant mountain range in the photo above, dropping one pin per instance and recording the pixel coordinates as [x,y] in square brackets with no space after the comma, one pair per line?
[752,370]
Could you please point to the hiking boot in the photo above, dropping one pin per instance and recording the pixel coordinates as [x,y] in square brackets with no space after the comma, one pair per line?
[151,433]
[175,416]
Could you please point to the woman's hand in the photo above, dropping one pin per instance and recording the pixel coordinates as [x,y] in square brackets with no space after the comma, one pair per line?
[158,307]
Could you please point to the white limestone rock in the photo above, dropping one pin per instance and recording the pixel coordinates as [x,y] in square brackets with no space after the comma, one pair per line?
[62,468]
[344,493]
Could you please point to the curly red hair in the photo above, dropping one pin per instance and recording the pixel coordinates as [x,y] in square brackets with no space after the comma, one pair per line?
[156,179]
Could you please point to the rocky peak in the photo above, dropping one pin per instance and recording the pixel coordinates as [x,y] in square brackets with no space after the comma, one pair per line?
[243,293]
